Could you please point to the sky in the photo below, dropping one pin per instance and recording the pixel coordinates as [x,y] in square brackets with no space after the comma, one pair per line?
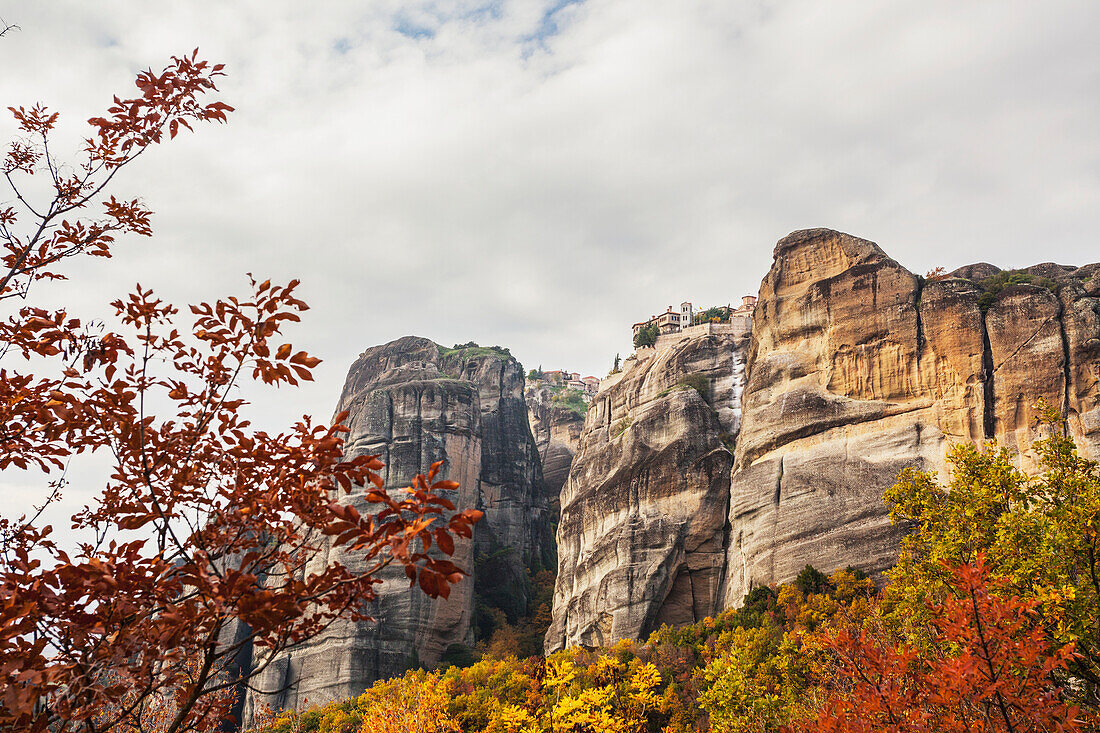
[540,174]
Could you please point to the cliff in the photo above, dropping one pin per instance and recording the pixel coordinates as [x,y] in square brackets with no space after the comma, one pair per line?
[856,368]
[718,461]
[412,403]
[643,512]
[557,432]
[859,368]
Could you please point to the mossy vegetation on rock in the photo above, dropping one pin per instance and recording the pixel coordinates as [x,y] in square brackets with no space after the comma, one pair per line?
[570,399]
[996,283]
[471,349]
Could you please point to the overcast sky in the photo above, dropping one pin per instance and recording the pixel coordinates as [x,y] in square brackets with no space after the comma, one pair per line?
[541,174]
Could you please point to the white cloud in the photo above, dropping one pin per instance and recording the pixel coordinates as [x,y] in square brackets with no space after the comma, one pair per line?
[466,170]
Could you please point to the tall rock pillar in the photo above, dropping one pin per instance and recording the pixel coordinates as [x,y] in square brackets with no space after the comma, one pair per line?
[643,512]
[412,402]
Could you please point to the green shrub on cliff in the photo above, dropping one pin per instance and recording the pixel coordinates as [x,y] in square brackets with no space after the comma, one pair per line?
[697,382]
[996,283]
[570,399]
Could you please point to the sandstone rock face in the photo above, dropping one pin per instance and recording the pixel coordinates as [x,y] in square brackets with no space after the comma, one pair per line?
[643,512]
[412,403]
[858,368]
[557,432]
[713,464]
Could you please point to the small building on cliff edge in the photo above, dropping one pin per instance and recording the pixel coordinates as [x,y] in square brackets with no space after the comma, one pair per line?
[671,322]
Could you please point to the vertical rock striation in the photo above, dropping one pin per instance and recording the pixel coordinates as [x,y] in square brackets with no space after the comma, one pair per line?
[643,512]
[1080,319]
[856,369]
[859,368]
[412,403]
[837,403]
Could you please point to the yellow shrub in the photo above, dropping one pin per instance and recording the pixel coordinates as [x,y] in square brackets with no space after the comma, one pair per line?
[415,703]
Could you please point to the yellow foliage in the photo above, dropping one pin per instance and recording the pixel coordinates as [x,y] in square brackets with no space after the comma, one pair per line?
[415,703]
[608,696]
[1041,533]
[758,684]
[337,720]
[513,719]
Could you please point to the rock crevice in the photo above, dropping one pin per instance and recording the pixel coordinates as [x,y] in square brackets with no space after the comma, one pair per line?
[988,415]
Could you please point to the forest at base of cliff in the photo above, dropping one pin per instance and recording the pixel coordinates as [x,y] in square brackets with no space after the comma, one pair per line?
[988,622]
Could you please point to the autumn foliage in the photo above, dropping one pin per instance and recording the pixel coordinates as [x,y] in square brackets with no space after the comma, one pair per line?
[205,525]
[991,667]
[204,538]
[415,703]
[824,657]
[987,624]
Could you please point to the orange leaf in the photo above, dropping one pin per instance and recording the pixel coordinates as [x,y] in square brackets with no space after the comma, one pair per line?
[445,541]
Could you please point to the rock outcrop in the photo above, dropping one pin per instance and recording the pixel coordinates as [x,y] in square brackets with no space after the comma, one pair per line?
[714,463]
[643,512]
[557,432]
[412,402]
[859,368]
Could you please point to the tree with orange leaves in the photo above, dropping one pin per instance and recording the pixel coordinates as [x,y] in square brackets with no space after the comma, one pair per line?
[991,666]
[206,525]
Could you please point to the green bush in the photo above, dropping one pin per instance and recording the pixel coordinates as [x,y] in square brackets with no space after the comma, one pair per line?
[811,580]
[458,655]
[714,314]
[995,284]
[697,382]
[570,399]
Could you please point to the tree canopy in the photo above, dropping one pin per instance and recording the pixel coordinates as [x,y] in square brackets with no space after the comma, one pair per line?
[646,336]
[206,537]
